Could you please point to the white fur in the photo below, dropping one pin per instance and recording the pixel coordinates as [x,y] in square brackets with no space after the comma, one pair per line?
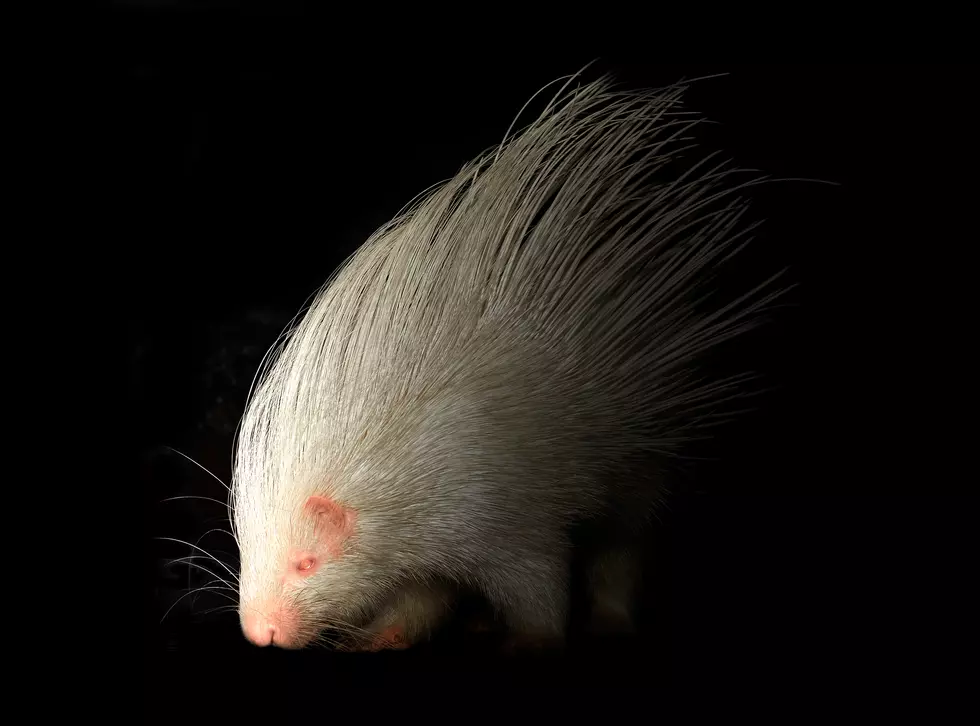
[489,367]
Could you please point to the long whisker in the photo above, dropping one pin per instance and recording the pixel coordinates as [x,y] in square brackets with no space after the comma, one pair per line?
[188,560]
[200,549]
[186,594]
[201,466]
[194,496]
[221,609]
[217,529]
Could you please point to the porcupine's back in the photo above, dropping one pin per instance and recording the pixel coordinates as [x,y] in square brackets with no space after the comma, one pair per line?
[515,339]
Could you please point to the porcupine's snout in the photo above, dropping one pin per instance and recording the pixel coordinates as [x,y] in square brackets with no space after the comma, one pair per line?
[270,624]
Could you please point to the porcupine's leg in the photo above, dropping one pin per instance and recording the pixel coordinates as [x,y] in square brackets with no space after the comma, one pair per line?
[410,617]
[614,577]
[531,594]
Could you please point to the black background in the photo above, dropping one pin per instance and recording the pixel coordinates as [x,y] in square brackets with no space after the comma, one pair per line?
[829,541]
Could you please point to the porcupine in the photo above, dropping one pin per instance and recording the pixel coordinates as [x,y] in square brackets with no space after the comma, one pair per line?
[504,361]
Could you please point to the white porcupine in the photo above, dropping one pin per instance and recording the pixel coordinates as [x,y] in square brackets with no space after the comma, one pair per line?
[491,368]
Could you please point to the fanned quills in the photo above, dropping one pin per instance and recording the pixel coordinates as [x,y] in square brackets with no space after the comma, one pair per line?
[507,359]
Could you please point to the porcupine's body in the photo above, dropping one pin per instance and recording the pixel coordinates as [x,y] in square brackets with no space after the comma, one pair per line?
[492,368]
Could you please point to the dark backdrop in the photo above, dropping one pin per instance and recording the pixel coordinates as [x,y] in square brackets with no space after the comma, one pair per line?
[818,545]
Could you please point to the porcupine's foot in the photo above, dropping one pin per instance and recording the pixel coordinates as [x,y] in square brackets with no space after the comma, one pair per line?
[410,617]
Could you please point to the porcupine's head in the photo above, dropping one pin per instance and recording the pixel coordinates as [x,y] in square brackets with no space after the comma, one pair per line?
[334,490]
[314,541]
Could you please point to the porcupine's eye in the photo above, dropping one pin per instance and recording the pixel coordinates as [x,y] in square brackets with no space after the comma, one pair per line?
[302,563]
[305,564]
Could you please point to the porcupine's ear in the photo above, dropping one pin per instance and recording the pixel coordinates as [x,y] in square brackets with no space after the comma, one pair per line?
[334,522]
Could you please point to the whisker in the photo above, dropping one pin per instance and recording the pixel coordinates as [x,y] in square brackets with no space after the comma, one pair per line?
[195,496]
[186,594]
[204,569]
[201,466]
[188,560]
[221,609]
[200,549]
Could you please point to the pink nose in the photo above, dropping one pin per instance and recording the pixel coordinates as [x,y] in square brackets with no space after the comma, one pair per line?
[259,629]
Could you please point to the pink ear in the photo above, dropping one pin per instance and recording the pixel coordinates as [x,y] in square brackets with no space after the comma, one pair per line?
[334,522]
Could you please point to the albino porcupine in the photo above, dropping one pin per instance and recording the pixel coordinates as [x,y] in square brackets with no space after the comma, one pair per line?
[493,367]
